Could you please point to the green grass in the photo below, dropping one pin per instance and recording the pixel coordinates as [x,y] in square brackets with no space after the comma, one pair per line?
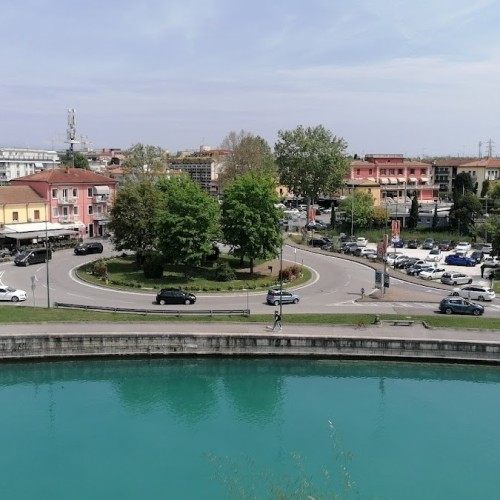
[124,273]
[21,314]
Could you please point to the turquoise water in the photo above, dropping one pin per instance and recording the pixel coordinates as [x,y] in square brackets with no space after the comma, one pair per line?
[245,428]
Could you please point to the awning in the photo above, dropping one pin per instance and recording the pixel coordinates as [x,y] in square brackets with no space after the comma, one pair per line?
[101,190]
[424,179]
[31,235]
[383,180]
[402,179]
[393,180]
[39,165]
[371,179]
[412,179]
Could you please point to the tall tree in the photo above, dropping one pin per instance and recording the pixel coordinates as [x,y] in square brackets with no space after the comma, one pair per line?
[358,209]
[463,211]
[311,161]
[143,159]
[413,216]
[250,220]
[188,223]
[463,184]
[248,153]
[133,216]
[76,160]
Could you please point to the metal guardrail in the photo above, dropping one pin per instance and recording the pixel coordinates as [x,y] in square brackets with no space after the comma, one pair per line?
[184,312]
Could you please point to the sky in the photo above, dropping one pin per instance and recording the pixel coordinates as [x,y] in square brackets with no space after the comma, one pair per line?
[419,78]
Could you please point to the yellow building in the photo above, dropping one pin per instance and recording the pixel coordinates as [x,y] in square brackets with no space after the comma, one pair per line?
[21,205]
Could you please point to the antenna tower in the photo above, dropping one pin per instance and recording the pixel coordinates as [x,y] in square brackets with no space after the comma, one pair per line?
[480,150]
[71,133]
[490,148]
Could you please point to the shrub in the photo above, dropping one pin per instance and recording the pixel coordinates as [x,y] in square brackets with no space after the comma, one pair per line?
[223,272]
[290,273]
[99,268]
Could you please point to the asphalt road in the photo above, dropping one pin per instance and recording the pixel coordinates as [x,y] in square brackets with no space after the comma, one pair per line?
[335,288]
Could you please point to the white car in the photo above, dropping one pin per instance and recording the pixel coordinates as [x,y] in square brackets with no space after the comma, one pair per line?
[361,242]
[453,278]
[475,292]
[12,294]
[462,248]
[434,255]
[432,274]
[391,258]
[366,252]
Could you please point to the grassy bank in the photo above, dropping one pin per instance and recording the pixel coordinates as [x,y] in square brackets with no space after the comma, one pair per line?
[22,314]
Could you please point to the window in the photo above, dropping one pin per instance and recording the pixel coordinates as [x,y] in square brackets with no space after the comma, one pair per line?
[423,171]
[358,171]
[55,212]
[90,192]
[75,210]
[412,171]
[75,193]
[54,193]
[36,215]
[370,171]
[391,171]
[382,171]
[15,216]
[400,171]
[91,209]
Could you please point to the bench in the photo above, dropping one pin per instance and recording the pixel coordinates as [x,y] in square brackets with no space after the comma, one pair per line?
[402,322]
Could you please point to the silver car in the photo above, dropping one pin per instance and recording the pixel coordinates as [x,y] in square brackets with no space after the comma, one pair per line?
[450,278]
[275,296]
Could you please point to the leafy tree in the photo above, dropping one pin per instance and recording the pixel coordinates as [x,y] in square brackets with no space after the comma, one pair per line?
[143,159]
[133,216]
[248,153]
[358,209]
[494,192]
[485,188]
[463,211]
[80,160]
[188,222]
[380,216]
[413,216]
[463,184]
[250,221]
[311,161]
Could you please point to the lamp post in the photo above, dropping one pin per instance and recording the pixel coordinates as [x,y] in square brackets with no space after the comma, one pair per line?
[47,257]
[281,276]
[352,211]
[486,215]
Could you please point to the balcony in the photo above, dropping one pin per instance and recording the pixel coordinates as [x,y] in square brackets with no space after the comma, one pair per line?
[100,216]
[68,200]
[100,198]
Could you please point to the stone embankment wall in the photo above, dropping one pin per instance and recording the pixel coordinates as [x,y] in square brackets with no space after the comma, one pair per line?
[31,346]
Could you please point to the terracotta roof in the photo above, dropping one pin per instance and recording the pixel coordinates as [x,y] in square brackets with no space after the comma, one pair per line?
[484,162]
[65,176]
[19,194]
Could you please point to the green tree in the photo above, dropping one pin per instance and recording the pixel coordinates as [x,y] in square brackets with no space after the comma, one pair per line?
[133,216]
[463,184]
[494,192]
[248,153]
[485,188]
[143,159]
[413,216]
[311,161]
[80,160]
[250,221]
[463,211]
[188,222]
[358,209]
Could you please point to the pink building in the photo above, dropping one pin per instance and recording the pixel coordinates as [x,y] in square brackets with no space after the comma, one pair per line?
[396,176]
[77,198]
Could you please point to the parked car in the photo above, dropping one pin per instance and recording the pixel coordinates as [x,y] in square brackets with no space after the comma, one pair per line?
[459,260]
[475,292]
[174,296]
[477,255]
[432,274]
[453,278]
[275,296]
[399,243]
[402,262]
[428,244]
[90,247]
[364,252]
[446,245]
[318,242]
[417,269]
[12,294]
[390,258]
[450,305]
[462,247]
[412,244]
[411,261]
[327,210]
[434,255]
[487,248]
[361,242]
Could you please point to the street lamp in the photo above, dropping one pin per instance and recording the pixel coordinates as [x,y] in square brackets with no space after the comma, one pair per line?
[352,211]
[47,257]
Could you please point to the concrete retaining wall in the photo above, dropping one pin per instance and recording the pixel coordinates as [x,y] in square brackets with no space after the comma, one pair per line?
[56,345]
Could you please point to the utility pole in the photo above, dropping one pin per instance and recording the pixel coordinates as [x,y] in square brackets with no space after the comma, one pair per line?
[71,134]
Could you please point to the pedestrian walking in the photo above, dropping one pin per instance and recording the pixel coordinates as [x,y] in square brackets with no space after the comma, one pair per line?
[277,320]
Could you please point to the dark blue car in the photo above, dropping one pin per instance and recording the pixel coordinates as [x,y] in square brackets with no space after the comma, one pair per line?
[460,260]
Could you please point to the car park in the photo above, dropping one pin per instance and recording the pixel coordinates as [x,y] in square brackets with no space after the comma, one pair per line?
[12,294]
[454,278]
[434,255]
[475,292]
[459,305]
[428,244]
[462,247]
[409,262]
[275,296]
[87,248]
[432,274]
[412,244]
[174,296]
[459,260]
[417,269]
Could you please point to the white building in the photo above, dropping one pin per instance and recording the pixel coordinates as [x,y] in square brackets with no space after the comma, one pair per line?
[16,162]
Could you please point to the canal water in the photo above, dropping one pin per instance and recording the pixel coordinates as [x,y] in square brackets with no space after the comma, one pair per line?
[248,428]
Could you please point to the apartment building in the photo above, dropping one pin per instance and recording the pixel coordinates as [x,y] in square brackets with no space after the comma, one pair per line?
[17,162]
